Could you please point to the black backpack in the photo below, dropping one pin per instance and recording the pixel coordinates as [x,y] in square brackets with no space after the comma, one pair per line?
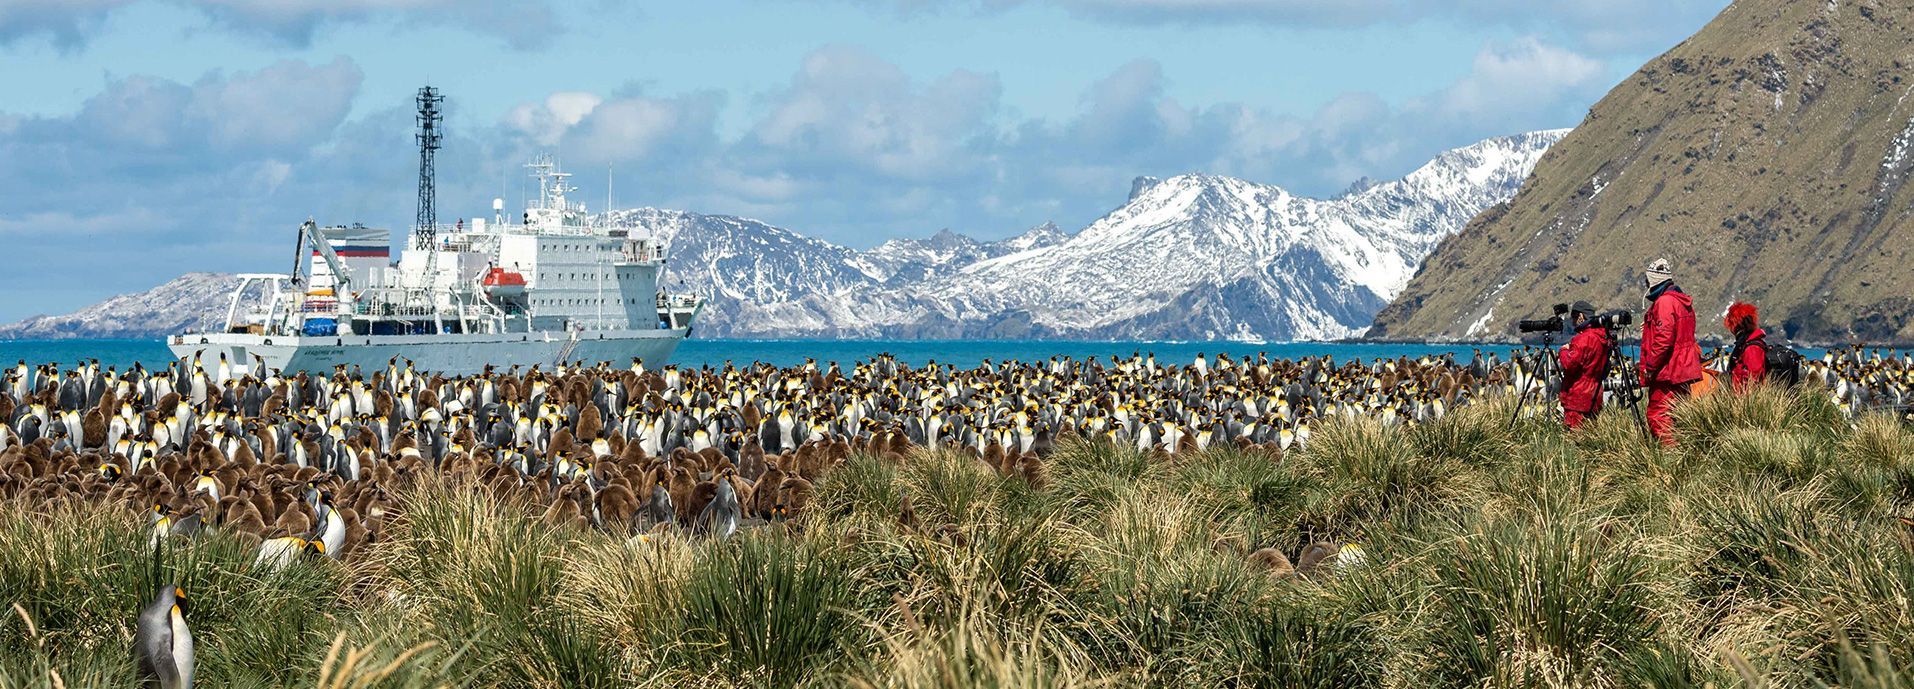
[1783,364]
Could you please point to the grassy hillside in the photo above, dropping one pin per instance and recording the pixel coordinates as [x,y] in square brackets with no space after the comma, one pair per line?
[1766,156]
[1765,551]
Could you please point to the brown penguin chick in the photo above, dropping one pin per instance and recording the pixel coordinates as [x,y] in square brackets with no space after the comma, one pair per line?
[783,462]
[590,423]
[243,455]
[93,428]
[753,417]
[701,496]
[1273,562]
[565,509]
[680,485]
[1314,555]
[906,509]
[901,443]
[560,446]
[243,517]
[765,496]
[683,460]
[1186,445]
[806,460]
[794,494]
[751,458]
[633,453]
[294,520]
[273,405]
[229,477]
[355,533]
[428,398]
[264,503]
[994,456]
[712,459]
[616,505]
[1031,468]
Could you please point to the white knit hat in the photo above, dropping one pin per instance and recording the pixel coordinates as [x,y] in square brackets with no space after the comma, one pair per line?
[1659,272]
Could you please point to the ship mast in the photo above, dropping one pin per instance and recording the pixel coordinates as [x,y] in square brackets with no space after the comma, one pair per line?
[425,232]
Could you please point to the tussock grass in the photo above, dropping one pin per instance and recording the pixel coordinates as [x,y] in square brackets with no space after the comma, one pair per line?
[1764,550]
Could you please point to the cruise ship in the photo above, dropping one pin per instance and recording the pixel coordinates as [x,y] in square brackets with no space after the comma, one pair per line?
[554,285]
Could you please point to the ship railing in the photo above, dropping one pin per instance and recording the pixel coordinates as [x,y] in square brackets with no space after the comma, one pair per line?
[395,303]
[677,301]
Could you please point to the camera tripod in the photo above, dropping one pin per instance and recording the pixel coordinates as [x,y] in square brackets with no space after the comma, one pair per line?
[1628,390]
[1548,367]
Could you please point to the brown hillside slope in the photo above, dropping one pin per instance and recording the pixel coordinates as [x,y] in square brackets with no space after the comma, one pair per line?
[1766,156]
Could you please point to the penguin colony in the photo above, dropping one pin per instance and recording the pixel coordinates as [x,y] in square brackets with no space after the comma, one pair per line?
[309,464]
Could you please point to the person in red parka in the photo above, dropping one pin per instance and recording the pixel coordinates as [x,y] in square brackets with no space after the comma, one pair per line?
[1671,359]
[1749,362]
[1584,366]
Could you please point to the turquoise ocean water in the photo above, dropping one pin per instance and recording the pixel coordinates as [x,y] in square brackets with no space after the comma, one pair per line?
[122,353]
[694,353]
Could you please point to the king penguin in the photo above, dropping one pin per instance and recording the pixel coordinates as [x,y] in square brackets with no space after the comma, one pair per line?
[720,518]
[331,529]
[164,643]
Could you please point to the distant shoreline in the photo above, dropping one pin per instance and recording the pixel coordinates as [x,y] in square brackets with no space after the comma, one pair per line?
[1384,341]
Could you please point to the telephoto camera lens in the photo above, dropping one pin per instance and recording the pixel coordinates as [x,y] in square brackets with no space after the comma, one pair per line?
[1548,325]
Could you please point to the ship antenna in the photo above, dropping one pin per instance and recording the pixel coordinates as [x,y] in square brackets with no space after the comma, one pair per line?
[430,116]
[425,235]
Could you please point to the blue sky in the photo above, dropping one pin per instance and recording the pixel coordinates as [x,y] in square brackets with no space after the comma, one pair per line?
[144,138]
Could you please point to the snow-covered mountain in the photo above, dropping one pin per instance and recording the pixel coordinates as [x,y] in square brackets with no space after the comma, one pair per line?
[1188,257]
[194,301]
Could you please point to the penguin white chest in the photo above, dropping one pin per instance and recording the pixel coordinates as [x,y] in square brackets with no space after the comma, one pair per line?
[182,650]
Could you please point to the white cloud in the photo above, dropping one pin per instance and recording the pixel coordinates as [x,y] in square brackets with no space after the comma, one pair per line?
[520,23]
[547,122]
[65,22]
[1509,79]
[1603,26]
[284,106]
[849,107]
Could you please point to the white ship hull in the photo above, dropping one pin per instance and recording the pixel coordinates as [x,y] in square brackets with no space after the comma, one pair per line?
[454,354]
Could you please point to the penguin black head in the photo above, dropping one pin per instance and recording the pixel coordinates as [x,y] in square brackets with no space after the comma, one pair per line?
[179,600]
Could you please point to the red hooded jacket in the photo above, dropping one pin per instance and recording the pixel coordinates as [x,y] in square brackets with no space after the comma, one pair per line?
[1670,355]
[1750,360]
[1584,363]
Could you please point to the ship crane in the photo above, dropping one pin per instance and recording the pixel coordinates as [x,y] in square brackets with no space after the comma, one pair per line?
[341,273]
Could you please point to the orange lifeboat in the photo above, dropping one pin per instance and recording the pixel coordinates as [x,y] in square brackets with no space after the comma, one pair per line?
[502,284]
